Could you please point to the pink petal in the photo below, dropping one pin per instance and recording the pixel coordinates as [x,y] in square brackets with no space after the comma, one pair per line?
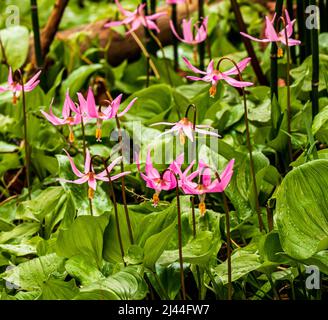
[31,82]
[78,181]
[174,31]
[253,38]
[191,67]
[87,162]
[236,83]
[128,107]
[110,167]
[10,76]
[76,171]
[241,66]
[92,182]
[270,32]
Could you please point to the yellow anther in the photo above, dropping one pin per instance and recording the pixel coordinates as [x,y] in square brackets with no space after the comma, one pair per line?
[98,134]
[71,135]
[212,91]
[155,199]
[202,208]
[280,53]
[182,138]
[91,193]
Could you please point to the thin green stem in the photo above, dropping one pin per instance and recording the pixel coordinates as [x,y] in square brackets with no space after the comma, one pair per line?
[84,156]
[315,67]
[249,145]
[183,288]
[175,40]
[113,199]
[201,46]
[158,42]
[36,33]
[227,219]
[180,245]
[126,210]
[26,143]
[274,48]
[301,28]
[289,110]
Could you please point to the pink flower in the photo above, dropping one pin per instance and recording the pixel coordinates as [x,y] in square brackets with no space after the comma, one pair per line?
[90,176]
[272,36]
[68,117]
[205,183]
[155,181]
[185,128]
[91,111]
[136,18]
[214,76]
[15,86]
[187,31]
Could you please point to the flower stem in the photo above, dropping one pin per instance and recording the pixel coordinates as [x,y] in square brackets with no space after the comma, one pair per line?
[315,68]
[126,210]
[183,289]
[270,217]
[289,110]
[274,48]
[26,144]
[36,33]
[146,54]
[158,42]
[113,198]
[180,244]
[84,156]
[201,46]
[301,28]
[175,40]
[227,219]
[249,145]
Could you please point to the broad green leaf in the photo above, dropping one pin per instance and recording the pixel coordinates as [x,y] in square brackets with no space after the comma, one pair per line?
[15,40]
[302,210]
[23,230]
[30,275]
[127,284]
[198,250]
[83,237]
[55,289]
[242,263]
[156,244]
[83,269]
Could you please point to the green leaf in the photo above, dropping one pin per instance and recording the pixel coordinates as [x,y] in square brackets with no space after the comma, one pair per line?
[23,230]
[77,78]
[156,244]
[127,284]
[302,210]
[83,237]
[16,44]
[84,269]
[199,250]
[242,263]
[30,275]
[55,289]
